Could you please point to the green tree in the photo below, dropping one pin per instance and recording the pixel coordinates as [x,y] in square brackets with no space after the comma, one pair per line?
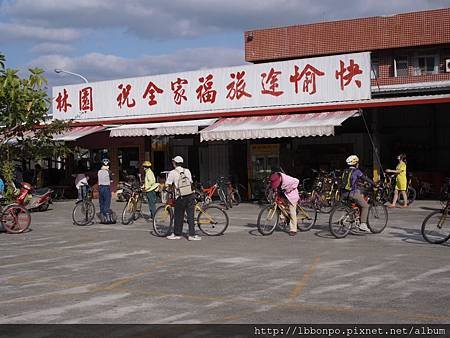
[24,131]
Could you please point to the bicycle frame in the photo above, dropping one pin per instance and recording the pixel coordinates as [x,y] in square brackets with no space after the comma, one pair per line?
[211,190]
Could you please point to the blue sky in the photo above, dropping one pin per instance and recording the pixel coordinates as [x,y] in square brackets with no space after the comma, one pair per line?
[111,39]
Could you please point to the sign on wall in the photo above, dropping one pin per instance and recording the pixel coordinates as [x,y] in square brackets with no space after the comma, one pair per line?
[307,81]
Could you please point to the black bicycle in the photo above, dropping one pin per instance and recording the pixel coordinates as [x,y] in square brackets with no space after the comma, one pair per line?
[84,211]
[345,217]
[436,226]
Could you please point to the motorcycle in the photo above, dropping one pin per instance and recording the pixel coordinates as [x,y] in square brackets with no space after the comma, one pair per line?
[124,191]
[125,188]
[35,199]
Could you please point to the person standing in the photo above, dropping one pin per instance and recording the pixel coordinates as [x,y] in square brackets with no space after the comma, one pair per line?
[104,188]
[401,183]
[287,186]
[150,187]
[181,179]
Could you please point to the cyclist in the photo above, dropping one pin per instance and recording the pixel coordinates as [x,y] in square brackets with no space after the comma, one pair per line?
[287,186]
[400,181]
[351,177]
[150,187]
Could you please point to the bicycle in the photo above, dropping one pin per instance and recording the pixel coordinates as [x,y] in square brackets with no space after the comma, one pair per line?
[345,217]
[210,219]
[133,209]
[444,193]
[205,195]
[269,217]
[436,226]
[84,211]
[15,218]
[388,185]
[323,202]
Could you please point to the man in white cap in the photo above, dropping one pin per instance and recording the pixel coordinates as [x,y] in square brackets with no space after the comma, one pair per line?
[181,178]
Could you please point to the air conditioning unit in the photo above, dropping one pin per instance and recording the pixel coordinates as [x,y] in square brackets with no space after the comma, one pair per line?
[447,65]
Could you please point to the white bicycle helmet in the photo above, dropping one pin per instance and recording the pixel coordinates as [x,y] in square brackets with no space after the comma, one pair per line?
[352,160]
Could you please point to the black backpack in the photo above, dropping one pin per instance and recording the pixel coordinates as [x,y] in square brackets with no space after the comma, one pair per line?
[109,217]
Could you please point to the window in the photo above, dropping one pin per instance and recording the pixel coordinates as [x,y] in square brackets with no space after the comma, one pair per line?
[426,64]
[375,69]
[401,66]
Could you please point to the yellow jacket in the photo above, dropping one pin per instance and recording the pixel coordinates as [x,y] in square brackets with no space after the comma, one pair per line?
[150,181]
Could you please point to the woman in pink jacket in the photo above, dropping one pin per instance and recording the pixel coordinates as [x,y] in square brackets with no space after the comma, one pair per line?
[287,185]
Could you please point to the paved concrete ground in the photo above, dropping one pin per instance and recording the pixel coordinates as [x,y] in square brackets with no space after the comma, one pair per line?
[61,273]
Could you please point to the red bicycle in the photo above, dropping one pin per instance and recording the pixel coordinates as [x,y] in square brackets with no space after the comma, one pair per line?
[15,218]
[205,195]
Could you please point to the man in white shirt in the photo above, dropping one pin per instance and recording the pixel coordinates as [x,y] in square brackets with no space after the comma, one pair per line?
[183,204]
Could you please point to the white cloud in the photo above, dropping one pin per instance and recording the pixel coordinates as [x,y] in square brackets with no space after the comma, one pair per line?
[162,19]
[15,31]
[97,66]
[51,48]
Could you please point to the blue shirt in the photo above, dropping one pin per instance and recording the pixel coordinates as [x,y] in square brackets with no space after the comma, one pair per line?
[357,175]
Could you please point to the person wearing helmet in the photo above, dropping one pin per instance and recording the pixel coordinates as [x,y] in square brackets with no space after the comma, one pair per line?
[185,201]
[104,188]
[150,187]
[352,190]
[286,186]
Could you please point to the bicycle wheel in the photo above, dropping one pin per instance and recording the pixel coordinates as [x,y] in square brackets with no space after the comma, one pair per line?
[129,211]
[163,221]
[235,197]
[223,198]
[212,221]
[268,219]
[377,218]
[410,195]
[436,227]
[341,221]
[83,213]
[138,206]
[306,216]
[15,219]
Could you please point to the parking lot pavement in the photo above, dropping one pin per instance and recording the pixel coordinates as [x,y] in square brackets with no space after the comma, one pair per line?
[62,273]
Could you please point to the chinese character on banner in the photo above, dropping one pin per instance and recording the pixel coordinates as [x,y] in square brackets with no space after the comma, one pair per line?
[86,102]
[271,80]
[236,88]
[150,91]
[310,73]
[62,101]
[123,96]
[178,90]
[350,71]
[205,93]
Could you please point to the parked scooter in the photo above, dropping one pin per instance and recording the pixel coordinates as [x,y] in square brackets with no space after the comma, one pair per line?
[35,199]
[125,188]
[124,191]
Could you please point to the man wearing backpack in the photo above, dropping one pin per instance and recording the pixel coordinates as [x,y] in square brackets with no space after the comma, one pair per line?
[181,179]
[350,179]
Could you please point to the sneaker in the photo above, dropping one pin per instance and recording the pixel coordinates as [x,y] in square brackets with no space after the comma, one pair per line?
[194,238]
[363,227]
[292,233]
[173,236]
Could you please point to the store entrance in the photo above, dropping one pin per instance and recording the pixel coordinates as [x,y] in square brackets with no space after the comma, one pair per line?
[264,158]
[128,159]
